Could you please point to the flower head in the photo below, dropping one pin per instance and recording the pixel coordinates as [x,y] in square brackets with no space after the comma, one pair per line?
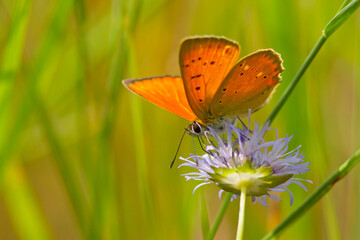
[243,160]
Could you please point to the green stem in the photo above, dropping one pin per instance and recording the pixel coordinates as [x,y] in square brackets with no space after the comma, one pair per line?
[341,17]
[241,221]
[219,217]
[325,187]
[346,2]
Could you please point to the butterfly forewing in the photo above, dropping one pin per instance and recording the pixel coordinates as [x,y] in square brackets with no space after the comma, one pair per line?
[204,63]
[165,91]
[248,85]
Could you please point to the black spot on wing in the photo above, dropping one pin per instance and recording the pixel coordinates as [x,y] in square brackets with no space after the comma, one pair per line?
[195,76]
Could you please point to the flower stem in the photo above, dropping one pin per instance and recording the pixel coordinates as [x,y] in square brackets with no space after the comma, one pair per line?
[325,187]
[219,217]
[240,229]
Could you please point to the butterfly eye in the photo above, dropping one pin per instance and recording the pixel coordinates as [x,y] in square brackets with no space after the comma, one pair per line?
[196,128]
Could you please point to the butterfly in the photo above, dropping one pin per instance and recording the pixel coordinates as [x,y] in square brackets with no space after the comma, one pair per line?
[213,85]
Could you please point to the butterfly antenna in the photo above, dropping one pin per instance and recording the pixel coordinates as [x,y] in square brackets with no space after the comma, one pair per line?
[177,151]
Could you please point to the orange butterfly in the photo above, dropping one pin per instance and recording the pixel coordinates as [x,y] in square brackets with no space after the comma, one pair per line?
[212,87]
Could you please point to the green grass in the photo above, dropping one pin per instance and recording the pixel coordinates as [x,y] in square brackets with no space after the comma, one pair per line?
[83,158]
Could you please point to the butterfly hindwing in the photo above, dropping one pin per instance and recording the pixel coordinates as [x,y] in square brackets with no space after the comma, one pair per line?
[248,85]
[204,63]
[165,91]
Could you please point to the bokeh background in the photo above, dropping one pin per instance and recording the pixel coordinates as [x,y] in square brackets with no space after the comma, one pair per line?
[81,157]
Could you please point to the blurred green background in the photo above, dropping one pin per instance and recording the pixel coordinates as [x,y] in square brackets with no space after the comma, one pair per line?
[81,157]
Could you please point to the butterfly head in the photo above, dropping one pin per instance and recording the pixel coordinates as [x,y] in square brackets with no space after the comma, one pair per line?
[196,129]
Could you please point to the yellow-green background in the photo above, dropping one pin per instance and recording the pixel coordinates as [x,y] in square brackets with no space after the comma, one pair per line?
[83,158]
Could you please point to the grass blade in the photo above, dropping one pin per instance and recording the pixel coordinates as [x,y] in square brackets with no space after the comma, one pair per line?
[22,205]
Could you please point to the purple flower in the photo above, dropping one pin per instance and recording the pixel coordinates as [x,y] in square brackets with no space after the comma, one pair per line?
[242,158]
